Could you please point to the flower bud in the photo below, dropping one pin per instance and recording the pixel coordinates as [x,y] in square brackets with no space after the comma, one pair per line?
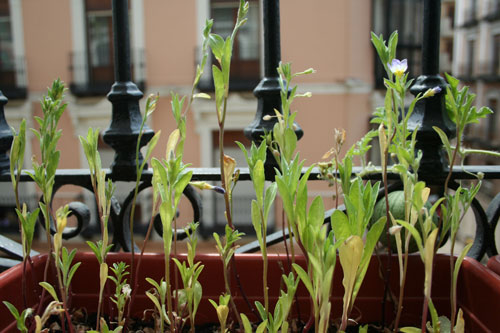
[395,229]
[126,290]
[431,92]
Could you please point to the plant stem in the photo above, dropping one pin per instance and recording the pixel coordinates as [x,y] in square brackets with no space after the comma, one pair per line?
[401,291]
[135,286]
[453,291]
[169,289]
[387,276]
[228,291]
[176,278]
[264,273]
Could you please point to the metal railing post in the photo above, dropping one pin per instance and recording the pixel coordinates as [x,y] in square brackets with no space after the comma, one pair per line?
[124,96]
[268,90]
[430,111]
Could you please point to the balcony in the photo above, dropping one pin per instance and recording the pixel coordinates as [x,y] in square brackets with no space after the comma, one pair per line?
[96,79]
[490,71]
[493,13]
[13,79]
[470,18]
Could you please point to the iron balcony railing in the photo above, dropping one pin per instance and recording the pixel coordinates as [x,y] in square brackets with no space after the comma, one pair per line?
[13,78]
[122,134]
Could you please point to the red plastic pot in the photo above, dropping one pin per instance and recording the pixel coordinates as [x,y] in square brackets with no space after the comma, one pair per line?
[478,289]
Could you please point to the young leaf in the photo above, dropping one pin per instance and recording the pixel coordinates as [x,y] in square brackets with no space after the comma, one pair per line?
[47,286]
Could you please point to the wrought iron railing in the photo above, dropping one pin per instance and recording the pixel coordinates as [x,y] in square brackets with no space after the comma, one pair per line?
[123,134]
[13,78]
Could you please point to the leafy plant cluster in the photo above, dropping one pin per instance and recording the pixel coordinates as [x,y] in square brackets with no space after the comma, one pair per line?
[353,236]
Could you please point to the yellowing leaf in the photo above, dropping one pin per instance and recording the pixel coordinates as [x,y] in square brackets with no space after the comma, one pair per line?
[201,95]
[103,274]
[428,259]
[229,166]
[222,312]
[460,326]
[172,142]
[350,258]
[425,194]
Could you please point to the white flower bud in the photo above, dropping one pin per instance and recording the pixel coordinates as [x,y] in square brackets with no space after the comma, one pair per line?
[395,229]
[126,290]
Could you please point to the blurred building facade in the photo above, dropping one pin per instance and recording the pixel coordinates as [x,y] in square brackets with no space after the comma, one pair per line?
[476,62]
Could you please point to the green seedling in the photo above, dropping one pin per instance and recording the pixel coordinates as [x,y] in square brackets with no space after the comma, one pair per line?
[20,317]
[122,289]
[226,248]
[103,191]
[106,329]
[260,207]
[349,229]
[170,178]
[190,273]
[277,322]
[158,297]
[44,170]
[27,221]
[222,310]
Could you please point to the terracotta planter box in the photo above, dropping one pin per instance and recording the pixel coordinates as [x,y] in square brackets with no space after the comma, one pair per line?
[478,289]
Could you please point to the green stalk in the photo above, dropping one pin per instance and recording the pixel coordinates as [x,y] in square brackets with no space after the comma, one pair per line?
[166,251]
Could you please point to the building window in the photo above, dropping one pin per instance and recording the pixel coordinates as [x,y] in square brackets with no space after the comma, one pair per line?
[405,17]
[496,56]
[470,13]
[93,65]
[469,64]
[99,41]
[492,121]
[245,63]
[11,67]
[493,12]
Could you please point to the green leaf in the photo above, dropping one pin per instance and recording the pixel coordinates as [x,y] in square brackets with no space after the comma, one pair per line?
[219,90]
[262,327]
[459,261]
[304,278]
[256,221]
[340,225]
[47,286]
[410,330]
[269,198]
[262,311]
[180,185]
[258,181]
[216,43]
[416,235]
[372,238]
[246,323]
[12,309]
[316,215]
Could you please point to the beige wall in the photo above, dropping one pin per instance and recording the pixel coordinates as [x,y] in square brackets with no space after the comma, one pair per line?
[47,42]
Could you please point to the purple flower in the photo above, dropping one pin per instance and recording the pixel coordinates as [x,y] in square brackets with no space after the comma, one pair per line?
[431,92]
[218,189]
[398,67]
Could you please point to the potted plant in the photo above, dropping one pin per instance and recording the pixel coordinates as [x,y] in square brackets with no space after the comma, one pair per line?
[329,278]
